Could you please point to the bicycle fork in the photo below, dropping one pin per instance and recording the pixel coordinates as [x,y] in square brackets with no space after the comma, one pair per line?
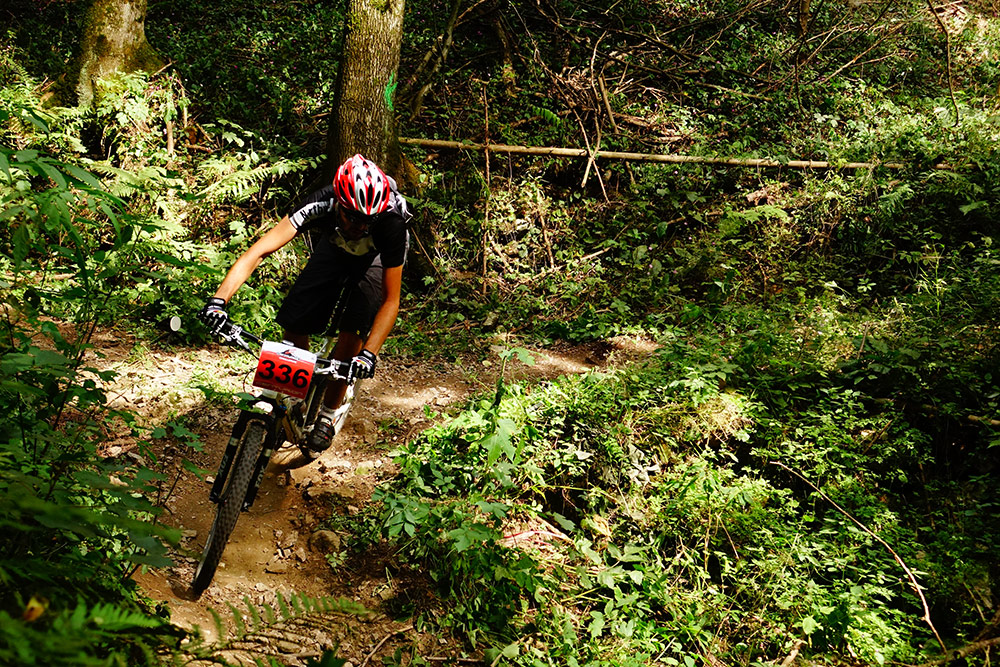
[270,422]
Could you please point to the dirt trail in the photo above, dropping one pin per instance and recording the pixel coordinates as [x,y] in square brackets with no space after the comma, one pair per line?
[276,547]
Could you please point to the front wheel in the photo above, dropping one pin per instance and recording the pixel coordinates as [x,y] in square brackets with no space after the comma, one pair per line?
[230,504]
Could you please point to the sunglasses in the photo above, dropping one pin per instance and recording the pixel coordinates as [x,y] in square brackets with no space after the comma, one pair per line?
[355,217]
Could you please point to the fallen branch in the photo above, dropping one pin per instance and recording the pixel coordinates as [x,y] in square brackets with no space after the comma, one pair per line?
[514,537]
[909,573]
[790,658]
[553,151]
[947,46]
[963,652]
[934,410]
[382,643]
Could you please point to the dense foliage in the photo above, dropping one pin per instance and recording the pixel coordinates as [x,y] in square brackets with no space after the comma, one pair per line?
[806,460]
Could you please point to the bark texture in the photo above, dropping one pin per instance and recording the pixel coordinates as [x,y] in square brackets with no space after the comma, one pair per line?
[114,40]
[363,120]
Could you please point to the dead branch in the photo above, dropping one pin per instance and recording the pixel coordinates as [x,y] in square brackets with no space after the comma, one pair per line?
[909,573]
[991,627]
[384,640]
[607,103]
[732,91]
[947,45]
[853,61]
[790,658]
[934,410]
[964,652]
[434,62]
[552,151]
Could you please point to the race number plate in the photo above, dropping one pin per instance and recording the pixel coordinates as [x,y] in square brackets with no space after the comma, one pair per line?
[284,368]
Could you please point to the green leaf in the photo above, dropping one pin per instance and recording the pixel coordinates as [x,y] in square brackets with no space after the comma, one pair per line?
[563,522]
[53,174]
[26,156]
[11,212]
[969,208]
[511,651]
[83,176]
[495,445]
[169,259]
[15,362]
[596,625]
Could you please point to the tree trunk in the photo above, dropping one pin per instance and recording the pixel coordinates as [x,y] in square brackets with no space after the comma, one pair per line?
[363,120]
[804,6]
[114,40]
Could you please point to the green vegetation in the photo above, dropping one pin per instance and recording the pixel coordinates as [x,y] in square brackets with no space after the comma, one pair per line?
[806,461]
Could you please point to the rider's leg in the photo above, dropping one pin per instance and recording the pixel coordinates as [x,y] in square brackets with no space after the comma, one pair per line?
[297,339]
[331,416]
[348,346]
[363,302]
[359,310]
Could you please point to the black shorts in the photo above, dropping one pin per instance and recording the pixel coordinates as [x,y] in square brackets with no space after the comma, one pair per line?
[326,288]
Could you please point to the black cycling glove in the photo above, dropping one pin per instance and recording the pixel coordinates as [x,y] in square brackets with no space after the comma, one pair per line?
[213,315]
[362,366]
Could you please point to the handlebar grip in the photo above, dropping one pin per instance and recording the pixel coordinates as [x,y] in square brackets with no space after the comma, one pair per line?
[169,324]
[229,330]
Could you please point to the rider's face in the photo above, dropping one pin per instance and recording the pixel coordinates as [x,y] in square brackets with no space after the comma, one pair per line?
[353,225]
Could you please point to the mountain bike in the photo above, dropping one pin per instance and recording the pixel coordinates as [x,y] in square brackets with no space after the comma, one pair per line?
[270,418]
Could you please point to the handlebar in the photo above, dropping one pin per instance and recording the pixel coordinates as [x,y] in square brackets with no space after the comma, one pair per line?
[234,334]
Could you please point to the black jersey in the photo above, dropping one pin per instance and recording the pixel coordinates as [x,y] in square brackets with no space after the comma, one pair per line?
[387,235]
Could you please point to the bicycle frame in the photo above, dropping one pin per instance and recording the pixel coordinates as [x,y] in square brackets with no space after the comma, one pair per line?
[268,421]
[271,408]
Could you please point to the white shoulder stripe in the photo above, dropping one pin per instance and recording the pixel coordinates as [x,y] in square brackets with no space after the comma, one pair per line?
[308,212]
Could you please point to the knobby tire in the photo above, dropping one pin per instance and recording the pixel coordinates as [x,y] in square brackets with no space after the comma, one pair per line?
[230,505]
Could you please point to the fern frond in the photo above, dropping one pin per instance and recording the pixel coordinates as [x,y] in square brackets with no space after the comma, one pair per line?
[220,629]
[301,625]
[269,615]
[894,200]
[255,620]
[241,628]
[550,116]
[283,607]
[236,181]
[125,183]
[112,618]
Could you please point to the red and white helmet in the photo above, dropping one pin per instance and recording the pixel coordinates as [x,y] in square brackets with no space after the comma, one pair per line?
[361,186]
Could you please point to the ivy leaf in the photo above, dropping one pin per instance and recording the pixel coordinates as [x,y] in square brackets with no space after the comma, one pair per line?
[596,625]
[969,208]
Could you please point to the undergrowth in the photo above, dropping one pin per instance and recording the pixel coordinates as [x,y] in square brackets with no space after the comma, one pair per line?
[826,381]
[668,512]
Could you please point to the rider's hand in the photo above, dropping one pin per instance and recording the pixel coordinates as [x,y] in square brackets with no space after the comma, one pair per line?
[362,366]
[213,315]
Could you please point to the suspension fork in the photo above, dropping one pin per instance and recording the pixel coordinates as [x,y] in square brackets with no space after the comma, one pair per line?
[270,444]
[229,454]
[272,423]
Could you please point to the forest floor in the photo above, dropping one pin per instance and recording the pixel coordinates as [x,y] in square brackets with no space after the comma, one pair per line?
[281,545]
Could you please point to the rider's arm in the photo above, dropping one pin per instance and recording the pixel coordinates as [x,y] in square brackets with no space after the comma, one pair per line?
[276,237]
[385,318]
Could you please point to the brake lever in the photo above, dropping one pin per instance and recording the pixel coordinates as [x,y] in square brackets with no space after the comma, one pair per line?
[234,335]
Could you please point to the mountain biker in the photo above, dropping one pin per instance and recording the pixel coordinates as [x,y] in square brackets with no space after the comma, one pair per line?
[362,219]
